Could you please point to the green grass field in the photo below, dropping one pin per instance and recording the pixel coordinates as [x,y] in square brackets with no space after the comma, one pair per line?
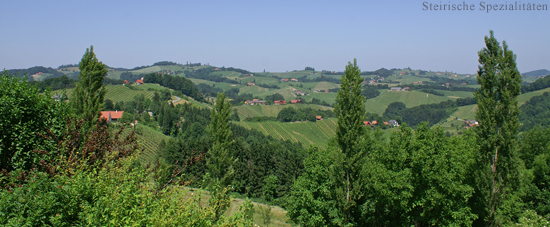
[151,69]
[307,133]
[272,110]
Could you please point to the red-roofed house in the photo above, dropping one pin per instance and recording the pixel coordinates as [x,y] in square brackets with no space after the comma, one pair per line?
[279,102]
[111,115]
[319,118]
[296,101]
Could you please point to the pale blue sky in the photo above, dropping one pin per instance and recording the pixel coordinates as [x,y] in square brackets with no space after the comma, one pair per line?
[272,35]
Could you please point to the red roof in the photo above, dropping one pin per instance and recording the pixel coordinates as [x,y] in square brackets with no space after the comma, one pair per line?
[126,82]
[114,115]
[139,81]
[318,117]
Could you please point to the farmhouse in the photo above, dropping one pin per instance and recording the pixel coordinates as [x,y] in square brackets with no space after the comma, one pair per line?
[110,116]
[296,101]
[395,89]
[279,102]
[294,80]
[318,118]
[393,123]
[406,88]
[255,102]
[250,84]
[284,80]
[140,81]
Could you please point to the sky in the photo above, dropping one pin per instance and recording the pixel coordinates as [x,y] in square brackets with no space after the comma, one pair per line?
[275,36]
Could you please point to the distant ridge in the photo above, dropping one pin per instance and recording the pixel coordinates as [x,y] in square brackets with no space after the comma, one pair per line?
[540,72]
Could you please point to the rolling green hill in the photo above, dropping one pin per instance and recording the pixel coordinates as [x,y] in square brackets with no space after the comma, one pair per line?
[409,98]
[272,110]
[307,133]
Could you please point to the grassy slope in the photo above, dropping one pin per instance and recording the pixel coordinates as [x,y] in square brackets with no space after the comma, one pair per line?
[149,139]
[308,133]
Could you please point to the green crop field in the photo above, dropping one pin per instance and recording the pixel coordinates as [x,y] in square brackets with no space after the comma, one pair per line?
[307,133]
[145,87]
[118,93]
[325,85]
[272,110]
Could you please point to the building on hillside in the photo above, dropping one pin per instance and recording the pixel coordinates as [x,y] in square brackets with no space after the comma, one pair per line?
[140,81]
[393,123]
[318,118]
[374,122]
[279,102]
[386,123]
[406,88]
[250,84]
[284,80]
[296,101]
[395,89]
[255,102]
[299,92]
[111,115]
[326,90]
[294,80]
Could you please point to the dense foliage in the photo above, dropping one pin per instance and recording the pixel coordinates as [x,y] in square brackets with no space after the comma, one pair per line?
[291,114]
[539,84]
[25,114]
[535,112]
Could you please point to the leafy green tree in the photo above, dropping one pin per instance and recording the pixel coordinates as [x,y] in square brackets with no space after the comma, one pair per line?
[499,123]
[24,115]
[350,110]
[90,91]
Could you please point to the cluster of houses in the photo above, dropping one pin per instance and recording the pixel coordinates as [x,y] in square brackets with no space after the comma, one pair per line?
[419,82]
[289,80]
[137,82]
[300,92]
[372,81]
[392,123]
[470,123]
[399,89]
[319,90]
[276,102]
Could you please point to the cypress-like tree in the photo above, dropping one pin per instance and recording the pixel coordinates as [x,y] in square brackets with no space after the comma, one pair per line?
[498,116]
[220,157]
[350,110]
[90,91]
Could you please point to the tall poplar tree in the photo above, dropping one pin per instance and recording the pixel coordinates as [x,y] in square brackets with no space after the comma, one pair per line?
[90,91]
[220,158]
[498,115]
[350,110]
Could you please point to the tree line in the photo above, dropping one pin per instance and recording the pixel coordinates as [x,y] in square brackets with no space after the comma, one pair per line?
[181,84]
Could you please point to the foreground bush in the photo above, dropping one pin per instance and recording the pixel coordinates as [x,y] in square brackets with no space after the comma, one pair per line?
[120,194]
